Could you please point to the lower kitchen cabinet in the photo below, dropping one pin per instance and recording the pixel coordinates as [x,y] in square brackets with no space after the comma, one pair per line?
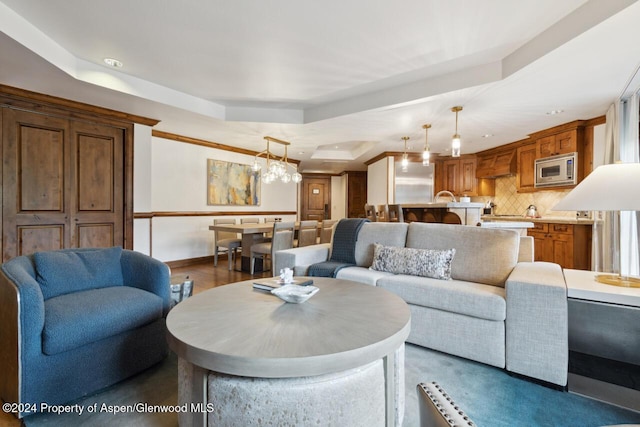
[566,244]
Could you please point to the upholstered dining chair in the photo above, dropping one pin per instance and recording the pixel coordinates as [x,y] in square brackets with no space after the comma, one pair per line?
[250,220]
[327,230]
[370,212]
[395,213]
[227,241]
[383,213]
[282,238]
[437,409]
[307,233]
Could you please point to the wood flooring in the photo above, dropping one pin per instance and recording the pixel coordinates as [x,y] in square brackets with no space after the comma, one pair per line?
[204,275]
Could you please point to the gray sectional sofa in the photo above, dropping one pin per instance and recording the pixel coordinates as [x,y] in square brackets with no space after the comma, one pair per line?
[499,307]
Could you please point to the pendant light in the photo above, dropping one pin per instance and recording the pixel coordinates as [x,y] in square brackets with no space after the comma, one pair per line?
[456,141]
[426,154]
[405,156]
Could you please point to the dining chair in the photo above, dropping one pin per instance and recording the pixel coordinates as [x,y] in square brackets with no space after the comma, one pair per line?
[250,220]
[227,241]
[383,213]
[327,230]
[395,213]
[370,212]
[282,238]
[307,233]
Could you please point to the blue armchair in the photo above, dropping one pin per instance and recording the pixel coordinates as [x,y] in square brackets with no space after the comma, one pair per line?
[75,321]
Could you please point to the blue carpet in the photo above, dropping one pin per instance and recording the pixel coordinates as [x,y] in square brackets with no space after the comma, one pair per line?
[493,398]
[488,395]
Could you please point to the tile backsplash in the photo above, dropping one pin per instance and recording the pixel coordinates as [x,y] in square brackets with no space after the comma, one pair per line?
[509,202]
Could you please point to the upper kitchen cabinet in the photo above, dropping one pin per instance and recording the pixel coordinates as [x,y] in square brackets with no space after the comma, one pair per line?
[560,143]
[495,163]
[459,176]
[526,158]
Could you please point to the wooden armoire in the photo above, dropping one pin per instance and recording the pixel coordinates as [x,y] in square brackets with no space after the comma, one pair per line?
[67,174]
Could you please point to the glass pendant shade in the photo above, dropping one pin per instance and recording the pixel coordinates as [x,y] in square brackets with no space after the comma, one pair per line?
[455,146]
[426,157]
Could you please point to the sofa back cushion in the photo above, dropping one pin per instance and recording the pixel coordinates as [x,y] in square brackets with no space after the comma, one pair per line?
[385,233]
[72,270]
[483,255]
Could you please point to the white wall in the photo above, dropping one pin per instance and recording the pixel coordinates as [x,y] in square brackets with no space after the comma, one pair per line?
[171,176]
[338,197]
[598,145]
[378,181]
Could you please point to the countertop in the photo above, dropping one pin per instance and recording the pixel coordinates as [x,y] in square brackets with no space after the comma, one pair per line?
[506,224]
[546,219]
[456,205]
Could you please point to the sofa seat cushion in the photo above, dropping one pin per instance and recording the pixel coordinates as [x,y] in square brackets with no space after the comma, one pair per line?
[80,318]
[361,275]
[72,270]
[456,296]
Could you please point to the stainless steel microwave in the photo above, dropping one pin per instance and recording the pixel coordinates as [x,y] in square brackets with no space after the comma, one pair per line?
[557,171]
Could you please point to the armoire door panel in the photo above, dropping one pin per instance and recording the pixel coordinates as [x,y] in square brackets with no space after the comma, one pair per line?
[41,169]
[97,211]
[95,235]
[95,164]
[40,238]
[35,182]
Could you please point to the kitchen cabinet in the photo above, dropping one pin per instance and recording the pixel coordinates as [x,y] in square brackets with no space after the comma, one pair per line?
[459,176]
[566,244]
[560,143]
[494,164]
[526,167]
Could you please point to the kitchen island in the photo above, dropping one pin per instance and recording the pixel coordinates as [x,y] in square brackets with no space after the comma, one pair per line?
[467,213]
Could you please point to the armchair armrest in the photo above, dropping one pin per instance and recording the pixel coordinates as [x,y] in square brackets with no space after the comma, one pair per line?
[142,271]
[299,259]
[22,320]
[537,343]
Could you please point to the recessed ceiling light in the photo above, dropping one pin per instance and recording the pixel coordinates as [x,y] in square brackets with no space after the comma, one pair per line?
[300,152]
[554,112]
[487,135]
[112,62]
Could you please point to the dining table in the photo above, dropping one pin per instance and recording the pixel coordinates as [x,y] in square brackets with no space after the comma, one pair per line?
[251,233]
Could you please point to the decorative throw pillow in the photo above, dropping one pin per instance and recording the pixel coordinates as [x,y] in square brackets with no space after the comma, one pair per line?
[66,271]
[416,262]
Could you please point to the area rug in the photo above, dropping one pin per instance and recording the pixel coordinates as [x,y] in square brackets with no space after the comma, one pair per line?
[490,396]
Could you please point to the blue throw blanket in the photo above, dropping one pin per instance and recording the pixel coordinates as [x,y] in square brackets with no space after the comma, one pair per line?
[343,252]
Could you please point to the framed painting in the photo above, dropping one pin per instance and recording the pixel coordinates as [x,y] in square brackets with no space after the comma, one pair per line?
[232,184]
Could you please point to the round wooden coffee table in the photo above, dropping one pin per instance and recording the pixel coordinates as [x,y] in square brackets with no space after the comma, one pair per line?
[236,330]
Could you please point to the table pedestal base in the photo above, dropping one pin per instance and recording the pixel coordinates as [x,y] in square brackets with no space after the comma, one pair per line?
[355,397]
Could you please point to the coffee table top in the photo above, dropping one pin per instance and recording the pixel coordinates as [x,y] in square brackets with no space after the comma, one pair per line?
[237,330]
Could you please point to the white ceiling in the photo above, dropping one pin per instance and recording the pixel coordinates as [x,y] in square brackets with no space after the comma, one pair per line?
[342,80]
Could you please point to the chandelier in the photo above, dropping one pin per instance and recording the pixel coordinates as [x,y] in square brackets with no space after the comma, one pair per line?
[277,168]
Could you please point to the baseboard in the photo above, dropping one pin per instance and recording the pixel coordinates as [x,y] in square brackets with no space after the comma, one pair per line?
[192,261]
[605,392]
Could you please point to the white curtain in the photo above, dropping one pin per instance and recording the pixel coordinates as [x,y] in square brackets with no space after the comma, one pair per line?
[629,152]
[606,244]
[616,236]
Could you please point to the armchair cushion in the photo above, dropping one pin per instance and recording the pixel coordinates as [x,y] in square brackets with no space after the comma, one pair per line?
[67,271]
[80,318]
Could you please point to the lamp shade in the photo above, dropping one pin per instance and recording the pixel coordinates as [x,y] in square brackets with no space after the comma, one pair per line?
[614,187]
